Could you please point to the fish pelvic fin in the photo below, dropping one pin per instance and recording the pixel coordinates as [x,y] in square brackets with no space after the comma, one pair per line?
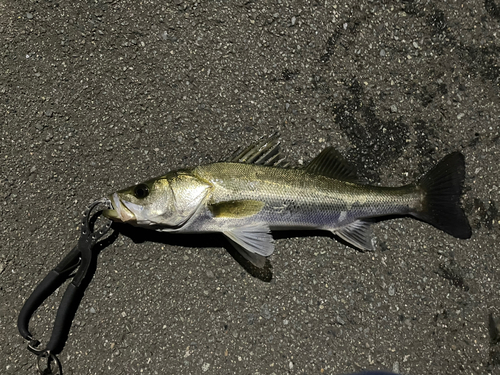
[358,234]
[330,163]
[442,189]
[253,242]
[256,259]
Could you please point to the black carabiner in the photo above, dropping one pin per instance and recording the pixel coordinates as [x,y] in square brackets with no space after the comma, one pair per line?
[79,257]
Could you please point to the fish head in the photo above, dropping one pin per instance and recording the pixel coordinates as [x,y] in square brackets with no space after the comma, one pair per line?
[142,204]
[167,201]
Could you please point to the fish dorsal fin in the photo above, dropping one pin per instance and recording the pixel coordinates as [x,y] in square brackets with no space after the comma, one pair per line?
[236,209]
[263,152]
[358,234]
[252,240]
[331,163]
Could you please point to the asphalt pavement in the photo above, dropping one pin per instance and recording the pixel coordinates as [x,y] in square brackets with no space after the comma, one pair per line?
[99,95]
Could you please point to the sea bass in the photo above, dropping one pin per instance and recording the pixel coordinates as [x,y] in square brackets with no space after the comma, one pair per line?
[255,193]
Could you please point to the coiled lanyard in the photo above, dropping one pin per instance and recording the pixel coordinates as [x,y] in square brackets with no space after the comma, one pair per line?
[79,259]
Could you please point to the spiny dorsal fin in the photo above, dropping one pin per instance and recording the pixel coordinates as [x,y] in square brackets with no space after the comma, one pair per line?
[236,209]
[331,164]
[263,152]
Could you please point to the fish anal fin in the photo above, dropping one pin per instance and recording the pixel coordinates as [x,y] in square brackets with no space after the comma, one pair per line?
[358,234]
[236,209]
[331,163]
[251,241]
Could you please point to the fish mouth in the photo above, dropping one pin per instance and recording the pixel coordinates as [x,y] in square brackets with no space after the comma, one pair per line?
[120,211]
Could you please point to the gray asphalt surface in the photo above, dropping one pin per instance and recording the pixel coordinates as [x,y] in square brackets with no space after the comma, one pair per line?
[96,96]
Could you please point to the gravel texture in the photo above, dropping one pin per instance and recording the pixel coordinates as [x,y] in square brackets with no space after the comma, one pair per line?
[98,95]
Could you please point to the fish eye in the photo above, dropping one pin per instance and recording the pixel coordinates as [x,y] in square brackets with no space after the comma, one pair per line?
[141,191]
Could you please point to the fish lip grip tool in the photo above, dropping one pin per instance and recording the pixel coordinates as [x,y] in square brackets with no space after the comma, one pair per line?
[75,264]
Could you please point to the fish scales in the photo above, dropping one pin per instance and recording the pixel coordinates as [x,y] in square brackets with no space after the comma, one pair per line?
[296,199]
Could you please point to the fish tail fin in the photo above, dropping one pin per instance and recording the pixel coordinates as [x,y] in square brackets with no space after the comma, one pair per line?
[442,189]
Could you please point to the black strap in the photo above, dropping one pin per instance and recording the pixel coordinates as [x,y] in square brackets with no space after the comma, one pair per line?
[81,258]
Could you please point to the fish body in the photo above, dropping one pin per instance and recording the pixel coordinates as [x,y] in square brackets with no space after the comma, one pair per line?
[285,199]
[253,194]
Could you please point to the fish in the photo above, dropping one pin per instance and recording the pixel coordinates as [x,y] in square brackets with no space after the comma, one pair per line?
[256,192]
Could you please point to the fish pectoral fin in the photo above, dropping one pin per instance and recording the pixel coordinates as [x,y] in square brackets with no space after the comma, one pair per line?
[358,234]
[254,243]
[236,209]
[330,163]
